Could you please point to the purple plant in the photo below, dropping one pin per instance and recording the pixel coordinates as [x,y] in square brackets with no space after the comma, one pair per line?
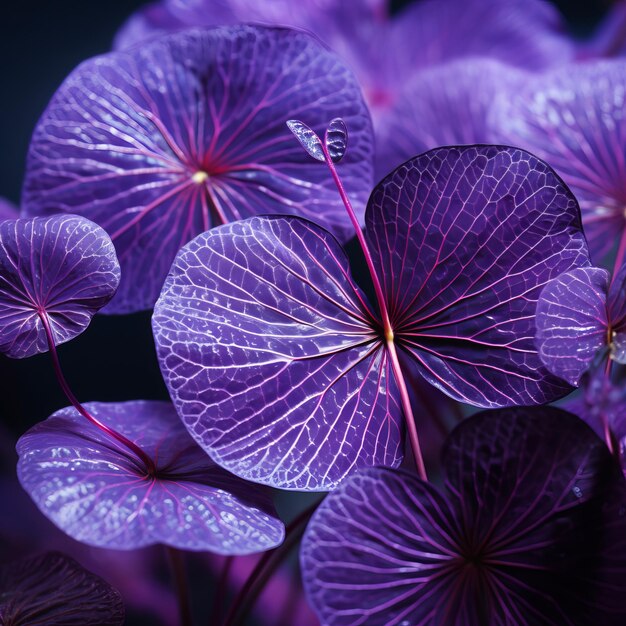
[311,339]
[521,534]
[160,143]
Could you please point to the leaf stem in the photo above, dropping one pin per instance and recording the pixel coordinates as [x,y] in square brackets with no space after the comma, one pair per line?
[608,433]
[179,578]
[387,328]
[221,591]
[134,448]
[264,569]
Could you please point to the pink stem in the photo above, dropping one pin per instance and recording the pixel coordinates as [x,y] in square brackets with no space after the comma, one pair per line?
[134,448]
[409,418]
[608,434]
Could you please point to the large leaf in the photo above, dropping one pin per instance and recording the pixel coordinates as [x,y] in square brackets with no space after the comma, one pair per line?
[522,535]
[55,589]
[272,358]
[463,240]
[63,267]
[573,118]
[159,143]
[278,365]
[99,493]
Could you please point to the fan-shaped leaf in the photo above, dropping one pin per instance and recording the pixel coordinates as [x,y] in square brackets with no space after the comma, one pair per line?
[271,356]
[63,267]
[521,537]
[98,493]
[55,589]
[463,240]
[161,142]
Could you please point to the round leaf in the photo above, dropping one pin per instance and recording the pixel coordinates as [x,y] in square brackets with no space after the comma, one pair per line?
[99,493]
[161,142]
[63,267]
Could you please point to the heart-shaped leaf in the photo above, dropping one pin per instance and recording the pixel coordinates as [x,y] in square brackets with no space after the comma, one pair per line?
[573,118]
[96,491]
[159,143]
[63,267]
[279,366]
[55,589]
[523,534]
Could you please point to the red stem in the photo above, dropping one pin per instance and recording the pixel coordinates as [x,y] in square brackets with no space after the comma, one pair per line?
[134,448]
[409,418]
[264,569]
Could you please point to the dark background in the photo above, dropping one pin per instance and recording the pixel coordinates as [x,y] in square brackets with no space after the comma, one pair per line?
[41,41]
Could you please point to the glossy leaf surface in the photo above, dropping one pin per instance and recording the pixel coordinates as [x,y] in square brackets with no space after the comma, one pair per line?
[572,321]
[463,240]
[55,589]
[62,266]
[270,354]
[277,364]
[336,139]
[519,537]
[159,143]
[573,118]
[100,494]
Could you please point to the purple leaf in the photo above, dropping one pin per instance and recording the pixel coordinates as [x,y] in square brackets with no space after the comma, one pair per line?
[463,241]
[159,143]
[444,105]
[336,139]
[100,494]
[272,358]
[521,536]
[55,589]
[275,361]
[573,119]
[63,267]
[307,138]
[572,321]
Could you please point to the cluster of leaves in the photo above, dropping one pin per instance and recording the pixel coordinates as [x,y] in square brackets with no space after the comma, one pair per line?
[164,175]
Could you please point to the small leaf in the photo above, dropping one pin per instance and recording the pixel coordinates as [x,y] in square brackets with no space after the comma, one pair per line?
[572,321]
[307,138]
[55,589]
[62,266]
[100,494]
[336,139]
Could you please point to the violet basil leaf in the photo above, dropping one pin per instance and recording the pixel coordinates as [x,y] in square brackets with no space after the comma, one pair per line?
[97,492]
[63,267]
[572,321]
[464,239]
[271,356]
[54,589]
[161,142]
[523,534]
